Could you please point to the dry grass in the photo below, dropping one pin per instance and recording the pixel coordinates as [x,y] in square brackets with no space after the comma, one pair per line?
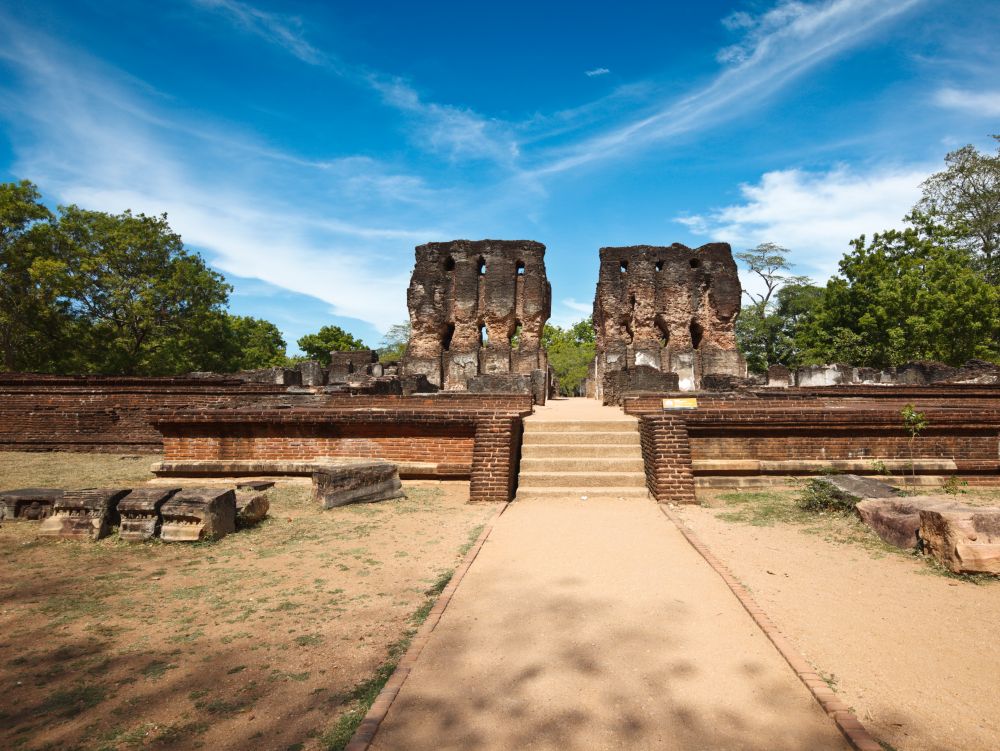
[260,640]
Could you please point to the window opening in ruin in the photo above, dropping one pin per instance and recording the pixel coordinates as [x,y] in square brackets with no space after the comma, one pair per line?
[664,330]
[696,334]
[484,336]
[446,339]
[482,267]
[659,265]
[520,268]
[515,337]
[695,263]
[449,264]
[623,267]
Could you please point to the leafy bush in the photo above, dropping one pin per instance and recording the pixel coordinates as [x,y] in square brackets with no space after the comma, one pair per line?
[820,496]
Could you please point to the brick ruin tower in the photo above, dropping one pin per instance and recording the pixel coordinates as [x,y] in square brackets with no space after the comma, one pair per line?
[477,308]
[671,308]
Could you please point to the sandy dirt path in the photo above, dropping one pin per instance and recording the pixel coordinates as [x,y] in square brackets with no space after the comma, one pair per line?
[915,654]
[594,625]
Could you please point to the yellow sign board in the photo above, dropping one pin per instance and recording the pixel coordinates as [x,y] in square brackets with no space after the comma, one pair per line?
[682,403]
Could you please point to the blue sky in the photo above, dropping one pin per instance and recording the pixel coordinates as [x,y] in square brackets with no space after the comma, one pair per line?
[305,148]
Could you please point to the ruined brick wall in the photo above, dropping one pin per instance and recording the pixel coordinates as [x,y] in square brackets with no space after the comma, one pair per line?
[471,436]
[672,308]
[108,414]
[468,300]
[805,430]
[666,455]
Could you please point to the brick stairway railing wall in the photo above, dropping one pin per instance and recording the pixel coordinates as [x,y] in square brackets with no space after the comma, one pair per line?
[821,428]
[666,456]
[467,436]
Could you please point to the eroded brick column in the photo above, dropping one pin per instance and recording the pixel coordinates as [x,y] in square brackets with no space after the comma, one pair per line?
[495,450]
[666,455]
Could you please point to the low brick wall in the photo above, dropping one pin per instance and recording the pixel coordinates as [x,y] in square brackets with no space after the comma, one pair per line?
[808,430]
[478,437]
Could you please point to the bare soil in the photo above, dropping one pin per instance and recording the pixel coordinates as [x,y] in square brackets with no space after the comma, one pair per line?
[910,647]
[260,640]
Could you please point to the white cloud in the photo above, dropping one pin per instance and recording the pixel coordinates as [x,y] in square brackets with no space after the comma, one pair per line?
[814,214]
[982,103]
[596,72]
[284,31]
[780,45]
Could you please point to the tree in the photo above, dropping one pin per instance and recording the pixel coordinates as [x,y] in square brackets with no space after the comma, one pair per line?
[964,201]
[328,339]
[570,351]
[764,335]
[394,343]
[258,343]
[903,297]
[144,304]
[32,318]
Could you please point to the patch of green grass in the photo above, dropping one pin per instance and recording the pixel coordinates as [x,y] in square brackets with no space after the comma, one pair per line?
[308,640]
[156,669]
[820,496]
[175,735]
[72,701]
[760,509]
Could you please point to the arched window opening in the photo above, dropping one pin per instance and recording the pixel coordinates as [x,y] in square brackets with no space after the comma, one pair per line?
[482,267]
[520,268]
[449,332]
[449,264]
[623,266]
[484,335]
[695,263]
[696,334]
[659,265]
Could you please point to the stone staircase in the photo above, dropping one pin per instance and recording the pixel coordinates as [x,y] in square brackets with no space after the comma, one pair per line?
[596,458]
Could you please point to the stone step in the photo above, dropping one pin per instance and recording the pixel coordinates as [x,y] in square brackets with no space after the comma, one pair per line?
[538,494]
[580,450]
[589,438]
[580,426]
[595,464]
[582,479]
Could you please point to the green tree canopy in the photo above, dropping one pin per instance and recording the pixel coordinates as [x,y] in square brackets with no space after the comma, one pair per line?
[905,296]
[394,342]
[962,204]
[146,305]
[31,313]
[570,353]
[257,343]
[765,329]
[328,339]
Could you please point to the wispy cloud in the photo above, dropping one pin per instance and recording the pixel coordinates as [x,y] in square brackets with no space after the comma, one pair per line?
[981,103]
[88,135]
[282,30]
[814,214]
[596,72]
[780,45]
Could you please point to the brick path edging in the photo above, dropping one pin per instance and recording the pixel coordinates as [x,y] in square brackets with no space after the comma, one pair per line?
[847,722]
[369,726]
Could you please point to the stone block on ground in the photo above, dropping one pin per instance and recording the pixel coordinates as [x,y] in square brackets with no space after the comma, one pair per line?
[364,482]
[140,513]
[251,508]
[32,504]
[84,514]
[199,514]
[255,485]
[856,488]
[965,539]
[897,520]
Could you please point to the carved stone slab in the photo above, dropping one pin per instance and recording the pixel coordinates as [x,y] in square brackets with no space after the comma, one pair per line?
[255,485]
[199,514]
[140,513]
[32,504]
[364,482]
[84,514]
